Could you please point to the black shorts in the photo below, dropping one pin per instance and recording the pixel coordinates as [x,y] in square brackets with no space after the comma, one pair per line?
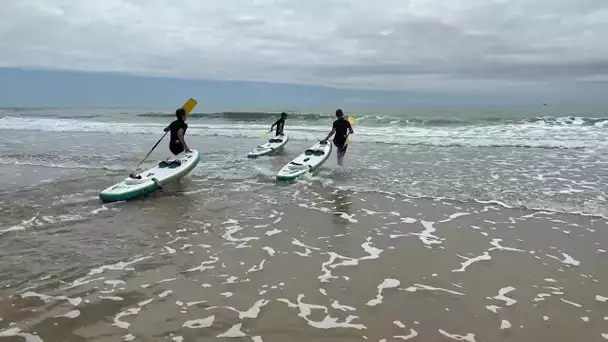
[176,148]
[340,145]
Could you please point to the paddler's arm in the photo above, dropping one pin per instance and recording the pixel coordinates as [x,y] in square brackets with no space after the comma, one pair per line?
[166,129]
[333,130]
[180,136]
[274,124]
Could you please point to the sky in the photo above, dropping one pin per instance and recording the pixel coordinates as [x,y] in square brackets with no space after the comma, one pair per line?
[304,53]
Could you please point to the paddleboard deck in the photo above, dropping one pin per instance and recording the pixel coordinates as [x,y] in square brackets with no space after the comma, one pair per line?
[148,181]
[272,146]
[308,161]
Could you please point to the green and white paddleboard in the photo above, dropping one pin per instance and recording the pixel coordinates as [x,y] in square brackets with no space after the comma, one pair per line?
[272,146]
[308,161]
[148,181]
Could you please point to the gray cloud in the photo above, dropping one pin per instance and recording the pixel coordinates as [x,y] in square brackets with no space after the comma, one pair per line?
[448,45]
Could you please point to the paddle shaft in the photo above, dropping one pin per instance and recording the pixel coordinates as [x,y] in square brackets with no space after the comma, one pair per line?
[158,142]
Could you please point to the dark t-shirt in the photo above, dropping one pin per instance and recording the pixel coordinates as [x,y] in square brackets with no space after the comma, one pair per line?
[342,127]
[280,125]
[174,128]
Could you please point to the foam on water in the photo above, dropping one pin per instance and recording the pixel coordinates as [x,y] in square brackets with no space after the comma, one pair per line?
[336,305]
[273,232]
[205,265]
[426,236]
[386,284]
[469,261]
[17,332]
[165,293]
[122,265]
[601,298]
[233,332]
[199,323]
[48,299]
[498,246]
[501,295]
[328,322]
[269,250]
[257,268]
[308,249]
[418,287]
[71,314]
[128,312]
[145,302]
[470,337]
[571,303]
[505,324]
[493,308]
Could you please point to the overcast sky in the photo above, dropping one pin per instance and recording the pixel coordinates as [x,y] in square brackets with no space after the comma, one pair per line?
[553,47]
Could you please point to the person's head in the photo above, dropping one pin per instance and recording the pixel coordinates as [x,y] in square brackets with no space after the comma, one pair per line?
[339,113]
[283,115]
[180,113]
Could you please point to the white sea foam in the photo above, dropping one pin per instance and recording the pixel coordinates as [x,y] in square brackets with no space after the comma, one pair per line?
[273,232]
[46,298]
[498,246]
[469,261]
[571,303]
[470,337]
[418,287]
[336,305]
[205,265]
[269,250]
[386,284]
[307,248]
[71,314]
[501,295]
[257,268]
[426,236]
[199,323]
[122,265]
[493,308]
[17,332]
[233,332]
[413,333]
[128,312]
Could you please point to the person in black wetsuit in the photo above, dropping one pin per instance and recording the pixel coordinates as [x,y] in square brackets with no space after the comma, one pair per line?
[178,128]
[280,124]
[341,128]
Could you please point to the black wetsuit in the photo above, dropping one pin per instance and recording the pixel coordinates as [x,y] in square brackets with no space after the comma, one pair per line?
[342,127]
[175,145]
[280,125]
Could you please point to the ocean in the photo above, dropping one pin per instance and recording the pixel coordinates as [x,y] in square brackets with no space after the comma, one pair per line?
[461,224]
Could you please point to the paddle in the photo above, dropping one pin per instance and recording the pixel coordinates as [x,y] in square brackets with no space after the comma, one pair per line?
[351,119]
[188,106]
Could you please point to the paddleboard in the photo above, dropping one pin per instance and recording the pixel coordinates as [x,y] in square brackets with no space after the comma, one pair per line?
[148,181]
[308,161]
[272,146]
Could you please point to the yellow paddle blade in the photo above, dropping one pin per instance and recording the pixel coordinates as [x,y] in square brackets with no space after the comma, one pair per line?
[264,134]
[189,105]
[351,119]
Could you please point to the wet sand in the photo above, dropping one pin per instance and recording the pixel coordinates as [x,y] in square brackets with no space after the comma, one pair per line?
[212,260]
